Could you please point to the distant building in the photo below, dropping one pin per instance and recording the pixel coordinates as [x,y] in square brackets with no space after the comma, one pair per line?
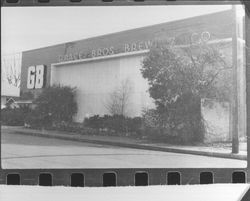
[9,94]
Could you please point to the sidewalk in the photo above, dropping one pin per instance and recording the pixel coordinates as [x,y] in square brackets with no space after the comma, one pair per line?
[221,152]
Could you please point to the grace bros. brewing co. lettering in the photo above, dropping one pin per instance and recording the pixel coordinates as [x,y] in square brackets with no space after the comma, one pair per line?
[128,47]
[194,38]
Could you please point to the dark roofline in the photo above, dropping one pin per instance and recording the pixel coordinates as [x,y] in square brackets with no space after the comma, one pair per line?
[170,23]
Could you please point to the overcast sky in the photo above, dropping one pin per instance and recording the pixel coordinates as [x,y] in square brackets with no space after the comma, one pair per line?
[25,28]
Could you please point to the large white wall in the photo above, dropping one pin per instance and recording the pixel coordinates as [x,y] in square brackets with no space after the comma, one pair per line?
[96,80]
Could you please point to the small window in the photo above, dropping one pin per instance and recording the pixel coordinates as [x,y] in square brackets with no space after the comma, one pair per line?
[141,179]
[13,179]
[45,179]
[12,1]
[239,177]
[206,178]
[109,179]
[174,178]
[77,180]
[43,1]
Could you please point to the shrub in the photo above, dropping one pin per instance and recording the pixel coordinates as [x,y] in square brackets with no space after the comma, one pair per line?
[94,122]
[54,105]
[13,117]
[135,124]
[37,120]
[157,128]
[117,123]
[74,127]
[57,102]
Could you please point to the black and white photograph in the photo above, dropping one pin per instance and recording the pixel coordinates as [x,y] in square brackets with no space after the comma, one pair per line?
[123,87]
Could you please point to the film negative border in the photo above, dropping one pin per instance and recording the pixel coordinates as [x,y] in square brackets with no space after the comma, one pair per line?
[108,2]
[124,177]
[131,177]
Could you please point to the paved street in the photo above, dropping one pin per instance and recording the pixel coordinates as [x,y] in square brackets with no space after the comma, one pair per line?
[21,151]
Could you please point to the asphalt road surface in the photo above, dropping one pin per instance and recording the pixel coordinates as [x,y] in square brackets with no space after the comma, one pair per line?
[23,151]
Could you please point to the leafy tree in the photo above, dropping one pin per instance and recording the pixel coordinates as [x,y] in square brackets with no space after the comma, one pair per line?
[56,104]
[178,78]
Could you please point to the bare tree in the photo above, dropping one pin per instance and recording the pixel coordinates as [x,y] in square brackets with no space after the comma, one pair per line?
[11,69]
[119,99]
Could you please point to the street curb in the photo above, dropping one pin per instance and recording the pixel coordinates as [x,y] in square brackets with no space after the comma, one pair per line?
[137,146]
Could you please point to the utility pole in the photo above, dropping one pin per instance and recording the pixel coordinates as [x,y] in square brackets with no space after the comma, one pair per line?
[235,134]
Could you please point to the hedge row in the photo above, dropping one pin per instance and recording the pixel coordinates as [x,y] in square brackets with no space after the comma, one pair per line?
[14,117]
[117,123]
[140,127]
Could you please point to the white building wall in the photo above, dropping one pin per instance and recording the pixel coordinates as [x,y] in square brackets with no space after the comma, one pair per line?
[216,116]
[3,101]
[130,70]
[96,80]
